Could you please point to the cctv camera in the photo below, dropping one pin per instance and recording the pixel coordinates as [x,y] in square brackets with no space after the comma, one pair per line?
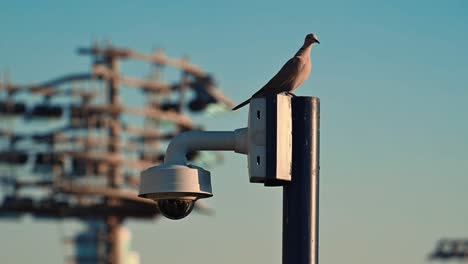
[175,188]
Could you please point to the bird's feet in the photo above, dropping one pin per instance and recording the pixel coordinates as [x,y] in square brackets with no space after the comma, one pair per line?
[290,94]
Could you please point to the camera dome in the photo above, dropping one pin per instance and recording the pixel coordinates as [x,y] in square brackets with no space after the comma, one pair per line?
[175,209]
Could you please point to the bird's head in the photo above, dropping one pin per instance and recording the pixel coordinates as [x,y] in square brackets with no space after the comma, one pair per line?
[311,39]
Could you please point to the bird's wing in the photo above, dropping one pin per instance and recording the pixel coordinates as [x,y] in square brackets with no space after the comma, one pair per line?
[284,79]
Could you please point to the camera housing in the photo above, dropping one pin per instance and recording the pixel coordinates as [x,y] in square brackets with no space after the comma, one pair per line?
[175,188]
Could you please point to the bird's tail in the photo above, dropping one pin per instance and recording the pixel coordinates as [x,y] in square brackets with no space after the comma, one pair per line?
[242,104]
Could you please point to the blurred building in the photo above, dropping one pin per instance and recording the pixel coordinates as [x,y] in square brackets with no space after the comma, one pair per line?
[450,250]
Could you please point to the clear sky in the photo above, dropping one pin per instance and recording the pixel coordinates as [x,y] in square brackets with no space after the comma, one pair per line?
[393,81]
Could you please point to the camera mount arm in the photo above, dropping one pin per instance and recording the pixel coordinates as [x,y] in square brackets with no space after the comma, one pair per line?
[205,140]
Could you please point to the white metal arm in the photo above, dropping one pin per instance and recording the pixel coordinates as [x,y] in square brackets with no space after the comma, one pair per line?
[205,140]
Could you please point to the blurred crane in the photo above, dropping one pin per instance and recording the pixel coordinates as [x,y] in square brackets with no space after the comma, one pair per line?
[77,151]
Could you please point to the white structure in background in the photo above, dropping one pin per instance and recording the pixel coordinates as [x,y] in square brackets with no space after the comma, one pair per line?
[90,245]
[128,256]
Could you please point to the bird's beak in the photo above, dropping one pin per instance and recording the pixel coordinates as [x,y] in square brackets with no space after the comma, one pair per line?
[317,41]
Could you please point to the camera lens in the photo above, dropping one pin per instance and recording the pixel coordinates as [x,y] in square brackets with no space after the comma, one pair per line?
[175,209]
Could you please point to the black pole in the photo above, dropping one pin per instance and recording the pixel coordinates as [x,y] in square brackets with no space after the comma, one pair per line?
[301,195]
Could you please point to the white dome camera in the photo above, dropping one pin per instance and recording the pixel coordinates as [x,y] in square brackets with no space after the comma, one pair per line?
[175,188]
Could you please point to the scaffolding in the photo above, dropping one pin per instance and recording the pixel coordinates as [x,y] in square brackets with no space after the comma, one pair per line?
[72,147]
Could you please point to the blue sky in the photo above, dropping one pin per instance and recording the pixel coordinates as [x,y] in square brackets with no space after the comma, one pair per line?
[392,78]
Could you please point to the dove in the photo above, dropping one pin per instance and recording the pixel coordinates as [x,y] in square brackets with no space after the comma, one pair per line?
[292,74]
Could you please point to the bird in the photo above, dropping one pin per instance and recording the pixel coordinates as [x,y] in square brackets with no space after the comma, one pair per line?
[291,75]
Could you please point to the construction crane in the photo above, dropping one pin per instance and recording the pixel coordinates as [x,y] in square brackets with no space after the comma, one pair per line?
[80,145]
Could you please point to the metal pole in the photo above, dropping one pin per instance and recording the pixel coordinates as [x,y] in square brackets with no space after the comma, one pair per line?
[301,195]
[113,223]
